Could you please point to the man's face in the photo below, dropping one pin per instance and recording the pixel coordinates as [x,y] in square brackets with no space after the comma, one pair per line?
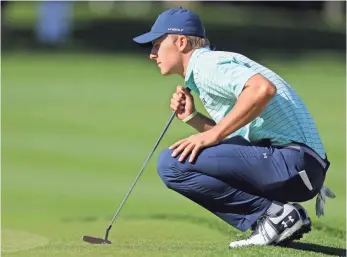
[166,52]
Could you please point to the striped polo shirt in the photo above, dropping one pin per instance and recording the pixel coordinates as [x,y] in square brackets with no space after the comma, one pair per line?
[218,78]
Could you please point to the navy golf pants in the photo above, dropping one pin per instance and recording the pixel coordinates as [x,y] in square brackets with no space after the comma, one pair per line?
[238,181]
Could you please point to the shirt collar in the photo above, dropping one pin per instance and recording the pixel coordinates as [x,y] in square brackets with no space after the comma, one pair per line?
[193,59]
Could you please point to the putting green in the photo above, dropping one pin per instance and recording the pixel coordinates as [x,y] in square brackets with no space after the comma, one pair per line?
[18,240]
[75,134]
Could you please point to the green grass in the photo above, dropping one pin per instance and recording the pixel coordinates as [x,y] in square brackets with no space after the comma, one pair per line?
[76,129]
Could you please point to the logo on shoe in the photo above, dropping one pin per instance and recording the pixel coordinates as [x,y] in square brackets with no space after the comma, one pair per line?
[285,223]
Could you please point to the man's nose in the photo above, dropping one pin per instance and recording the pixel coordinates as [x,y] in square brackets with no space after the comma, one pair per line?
[154,53]
[152,56]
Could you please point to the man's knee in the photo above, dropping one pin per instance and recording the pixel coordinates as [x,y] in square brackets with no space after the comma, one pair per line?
[167,167]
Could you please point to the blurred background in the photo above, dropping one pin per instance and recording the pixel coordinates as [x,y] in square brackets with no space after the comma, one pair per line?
[251,27]
[82,105]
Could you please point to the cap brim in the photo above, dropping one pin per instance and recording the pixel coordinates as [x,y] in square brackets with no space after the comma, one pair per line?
[147,37]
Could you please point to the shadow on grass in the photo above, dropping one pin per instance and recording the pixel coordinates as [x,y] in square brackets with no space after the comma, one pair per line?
[79,219]
[213,224]
[309,247]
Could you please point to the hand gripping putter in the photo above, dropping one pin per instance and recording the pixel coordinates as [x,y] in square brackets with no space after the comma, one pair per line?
[96,240]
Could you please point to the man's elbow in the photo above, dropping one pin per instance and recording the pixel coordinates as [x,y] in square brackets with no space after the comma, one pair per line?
[267,89]
[261,88]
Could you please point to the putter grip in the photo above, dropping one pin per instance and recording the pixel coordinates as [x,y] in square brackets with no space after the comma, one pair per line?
[173,112]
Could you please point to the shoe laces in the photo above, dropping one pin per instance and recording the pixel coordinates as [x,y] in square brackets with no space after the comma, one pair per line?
[256,226]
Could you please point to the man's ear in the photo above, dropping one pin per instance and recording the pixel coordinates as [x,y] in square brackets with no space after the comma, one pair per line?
[182,43]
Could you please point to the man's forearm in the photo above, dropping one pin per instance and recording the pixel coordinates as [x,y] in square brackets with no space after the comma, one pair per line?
[201,123]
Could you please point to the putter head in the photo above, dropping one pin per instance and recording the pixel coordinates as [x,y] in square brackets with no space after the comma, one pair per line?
[95,240]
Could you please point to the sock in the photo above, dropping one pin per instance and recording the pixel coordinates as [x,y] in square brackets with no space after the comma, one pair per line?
[274,209]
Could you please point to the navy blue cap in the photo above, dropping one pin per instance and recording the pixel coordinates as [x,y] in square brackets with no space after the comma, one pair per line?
[174,21]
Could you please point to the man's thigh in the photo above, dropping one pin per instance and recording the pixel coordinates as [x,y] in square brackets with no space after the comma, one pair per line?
[253,169]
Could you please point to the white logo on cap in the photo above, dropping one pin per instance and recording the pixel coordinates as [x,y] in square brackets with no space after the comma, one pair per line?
[175,29]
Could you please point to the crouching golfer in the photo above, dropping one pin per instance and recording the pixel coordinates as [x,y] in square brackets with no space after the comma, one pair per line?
[261,150]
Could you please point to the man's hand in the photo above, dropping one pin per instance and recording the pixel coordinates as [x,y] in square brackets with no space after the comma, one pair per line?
[193,144]
[182,102]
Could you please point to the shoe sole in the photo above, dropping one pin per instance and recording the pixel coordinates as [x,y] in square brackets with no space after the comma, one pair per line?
[289,235]
[297,235]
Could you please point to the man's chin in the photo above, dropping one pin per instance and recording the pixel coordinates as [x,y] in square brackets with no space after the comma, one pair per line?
[165,72]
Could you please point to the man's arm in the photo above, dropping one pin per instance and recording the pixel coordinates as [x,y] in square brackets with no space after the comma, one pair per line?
[256,94]
[201,123]
[253,96]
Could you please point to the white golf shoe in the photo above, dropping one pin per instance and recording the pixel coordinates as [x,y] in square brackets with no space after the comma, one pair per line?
[273,230]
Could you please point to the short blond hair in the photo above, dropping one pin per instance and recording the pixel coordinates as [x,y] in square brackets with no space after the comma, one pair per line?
[194,41]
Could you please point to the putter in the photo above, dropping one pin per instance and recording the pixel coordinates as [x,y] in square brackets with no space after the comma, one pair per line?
[96,240]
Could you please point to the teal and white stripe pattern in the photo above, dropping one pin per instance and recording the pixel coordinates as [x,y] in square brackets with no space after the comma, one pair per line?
[219,77]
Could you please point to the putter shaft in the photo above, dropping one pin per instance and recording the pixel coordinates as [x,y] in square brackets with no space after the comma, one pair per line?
[139,174]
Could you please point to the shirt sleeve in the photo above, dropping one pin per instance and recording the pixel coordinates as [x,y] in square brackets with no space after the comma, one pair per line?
[226,80]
